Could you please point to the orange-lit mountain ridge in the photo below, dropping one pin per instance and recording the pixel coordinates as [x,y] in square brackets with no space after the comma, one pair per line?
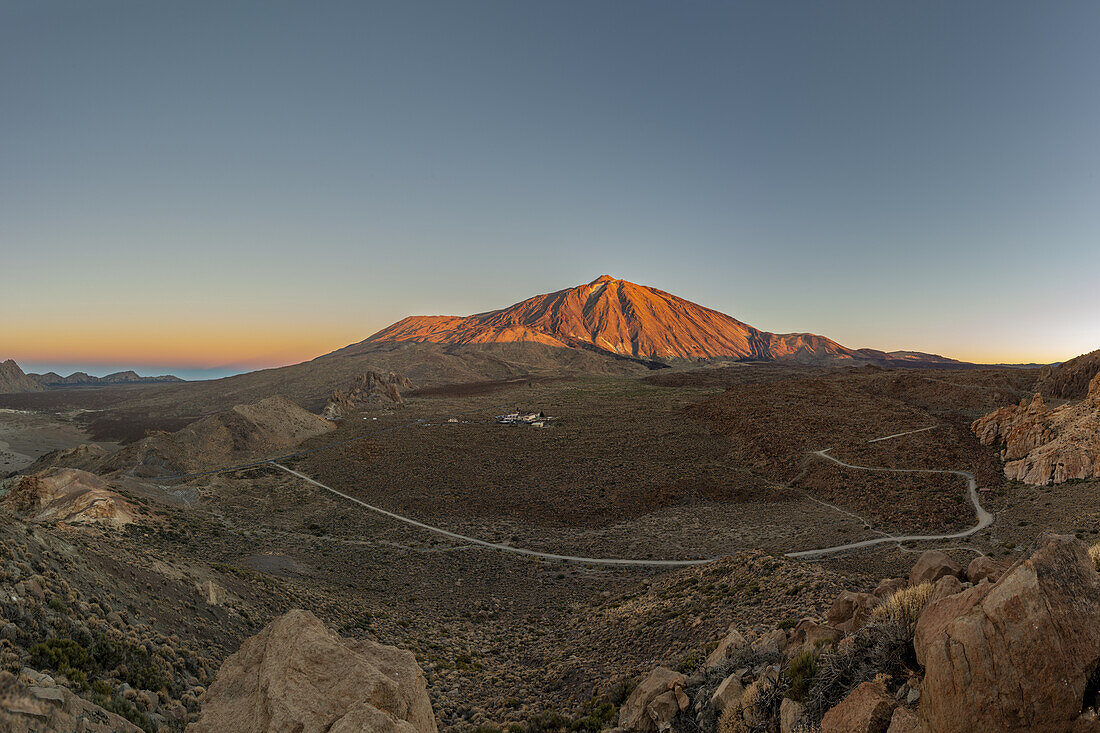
[632,320]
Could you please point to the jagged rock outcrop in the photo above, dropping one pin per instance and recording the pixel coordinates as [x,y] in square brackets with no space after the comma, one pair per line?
[1046,445]
[372,389]
[1017,654]
[12,379]
[296,675]
[66,495]
[1069,380]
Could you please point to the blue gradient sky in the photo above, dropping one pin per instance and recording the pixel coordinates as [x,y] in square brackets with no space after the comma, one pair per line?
[210,184]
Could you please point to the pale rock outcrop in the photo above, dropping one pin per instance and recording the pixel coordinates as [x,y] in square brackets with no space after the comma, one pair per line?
[296,675]
[1044,445]
[933,565]
[654,702]
[867,709]
[1015,654]
[66,495]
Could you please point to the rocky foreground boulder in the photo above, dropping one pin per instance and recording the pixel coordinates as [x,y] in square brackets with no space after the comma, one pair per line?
[1044,445]
[296,675]
[1018,653]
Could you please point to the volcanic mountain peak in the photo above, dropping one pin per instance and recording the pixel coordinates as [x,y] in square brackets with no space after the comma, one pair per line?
[622,318]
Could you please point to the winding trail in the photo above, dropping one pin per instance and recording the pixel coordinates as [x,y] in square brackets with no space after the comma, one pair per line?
[496,545]
[984,518]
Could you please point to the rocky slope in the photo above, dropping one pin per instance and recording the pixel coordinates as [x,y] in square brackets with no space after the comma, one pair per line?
[249,431]
[947,649]
[12,379]
[1046,445]
[623,318]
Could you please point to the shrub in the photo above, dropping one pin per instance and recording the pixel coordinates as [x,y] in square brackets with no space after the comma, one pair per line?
[800,674]
[1094,554]
[903,607]
[882,651]
[758,710]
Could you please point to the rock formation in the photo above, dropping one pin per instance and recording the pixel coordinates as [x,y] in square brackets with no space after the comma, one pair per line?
[296,675]
[12,379]
[66,495]
[623,318]
[257,430]
[372,389]
[1047,445]
[1016,654]
[1069,380]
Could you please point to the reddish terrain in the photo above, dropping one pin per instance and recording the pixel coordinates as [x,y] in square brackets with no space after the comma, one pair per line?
[623,318]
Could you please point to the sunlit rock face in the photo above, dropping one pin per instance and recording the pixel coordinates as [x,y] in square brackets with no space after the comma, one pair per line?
[1047,445]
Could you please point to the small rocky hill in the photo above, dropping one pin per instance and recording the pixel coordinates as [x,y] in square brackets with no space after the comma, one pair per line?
[1046,445]
[13,380]
[66,495]
[245,432]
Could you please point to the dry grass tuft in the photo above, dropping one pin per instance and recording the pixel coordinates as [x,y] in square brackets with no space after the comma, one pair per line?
[1094,554]
[903,607]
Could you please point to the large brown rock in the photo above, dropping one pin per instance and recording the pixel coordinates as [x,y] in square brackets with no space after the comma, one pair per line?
[1018,653]
[904,721]
[933,565]
[984,567]
[850,610]
[867,709]
[648,708]
[296,675]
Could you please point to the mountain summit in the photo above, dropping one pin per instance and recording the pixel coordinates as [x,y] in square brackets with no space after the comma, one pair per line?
[624,318]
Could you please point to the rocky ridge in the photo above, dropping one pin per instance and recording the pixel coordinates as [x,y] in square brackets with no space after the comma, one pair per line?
[1044,445]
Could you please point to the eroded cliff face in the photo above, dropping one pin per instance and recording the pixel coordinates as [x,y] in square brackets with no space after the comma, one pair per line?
[1044,445]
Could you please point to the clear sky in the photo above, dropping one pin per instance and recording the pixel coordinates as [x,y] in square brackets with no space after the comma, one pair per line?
[188,185]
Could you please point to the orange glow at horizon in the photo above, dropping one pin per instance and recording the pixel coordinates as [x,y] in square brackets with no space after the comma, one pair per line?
[252,346]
